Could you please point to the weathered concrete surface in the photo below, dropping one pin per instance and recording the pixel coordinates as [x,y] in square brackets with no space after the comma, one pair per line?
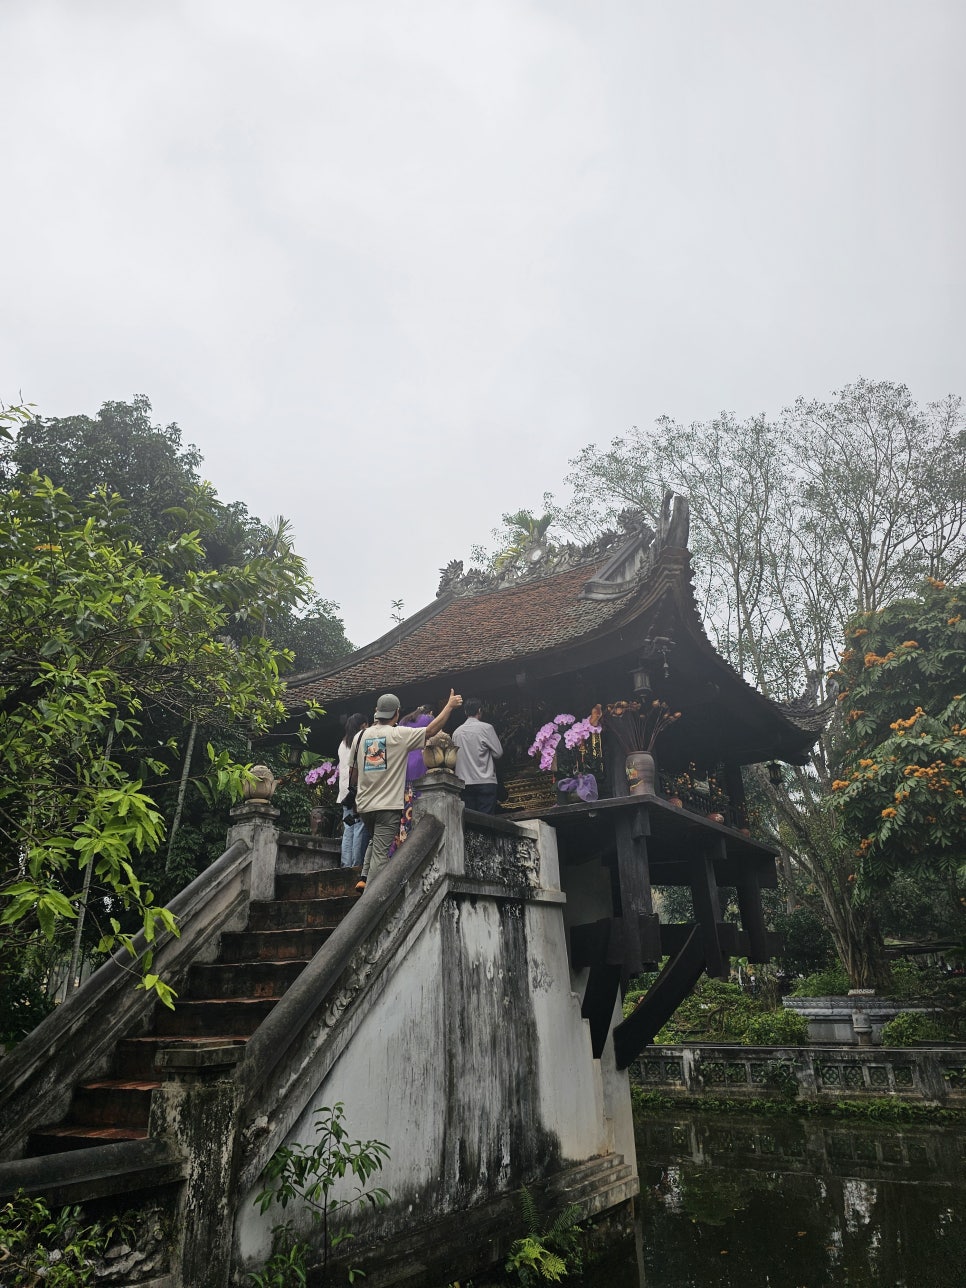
[469,1057]
[441,1011]
[196,1110]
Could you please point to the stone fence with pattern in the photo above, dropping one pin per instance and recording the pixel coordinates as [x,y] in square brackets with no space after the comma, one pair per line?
[934,1075]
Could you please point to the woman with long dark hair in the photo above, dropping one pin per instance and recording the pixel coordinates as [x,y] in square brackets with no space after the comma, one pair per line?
[355,835]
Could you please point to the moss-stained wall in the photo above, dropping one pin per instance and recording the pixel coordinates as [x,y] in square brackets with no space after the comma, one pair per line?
[470,1060]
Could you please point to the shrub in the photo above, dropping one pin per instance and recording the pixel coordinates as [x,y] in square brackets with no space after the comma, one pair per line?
[305,1176]
[545,1255]
[832,982]
[23,1004]
[42,1245]
[717,1011]
[910,1027]
[777,1028]
[907,981]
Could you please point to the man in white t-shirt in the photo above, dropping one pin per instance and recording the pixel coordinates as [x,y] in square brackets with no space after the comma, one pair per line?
[380,759]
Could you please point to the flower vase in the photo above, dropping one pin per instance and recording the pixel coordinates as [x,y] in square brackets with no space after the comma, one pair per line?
[641,772]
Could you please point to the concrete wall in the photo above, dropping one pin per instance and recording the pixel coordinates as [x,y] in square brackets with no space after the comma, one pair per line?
[469,1058]
[441,1011]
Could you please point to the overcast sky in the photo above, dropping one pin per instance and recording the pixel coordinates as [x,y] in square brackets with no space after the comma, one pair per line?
[391,263]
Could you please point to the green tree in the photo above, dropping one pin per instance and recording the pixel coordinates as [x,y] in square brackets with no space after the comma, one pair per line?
[519,533]
[522,530]
[101,646]
[306,1177]
[119,450]
[314,635]
[902,788]
[157,475]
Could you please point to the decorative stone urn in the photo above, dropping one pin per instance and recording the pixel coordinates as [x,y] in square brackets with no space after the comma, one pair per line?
[440,752]
[640,770]
[263,786]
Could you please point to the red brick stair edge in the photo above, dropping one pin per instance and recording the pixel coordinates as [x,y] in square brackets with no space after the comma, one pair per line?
[300,1005]
[73,1043]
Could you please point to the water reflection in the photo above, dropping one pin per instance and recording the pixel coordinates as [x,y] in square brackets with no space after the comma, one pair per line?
[801,1204]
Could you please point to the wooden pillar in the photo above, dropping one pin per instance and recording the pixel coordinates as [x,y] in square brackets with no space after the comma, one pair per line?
[640,928]
[753,917]
[707,907]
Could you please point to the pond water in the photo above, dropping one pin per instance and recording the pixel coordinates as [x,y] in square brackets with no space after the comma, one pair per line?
[796,1203]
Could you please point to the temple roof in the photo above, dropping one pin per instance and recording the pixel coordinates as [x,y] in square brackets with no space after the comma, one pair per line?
[561,612]
[466,633]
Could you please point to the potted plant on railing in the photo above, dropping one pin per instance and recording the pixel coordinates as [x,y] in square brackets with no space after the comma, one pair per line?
[636,726]
[718,799]
[679,790]
[574,734]
[324,781]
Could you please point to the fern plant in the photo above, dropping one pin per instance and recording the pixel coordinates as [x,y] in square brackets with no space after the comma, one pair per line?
[545,1255]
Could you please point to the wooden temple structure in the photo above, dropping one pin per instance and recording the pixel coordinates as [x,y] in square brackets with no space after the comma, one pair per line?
[563,630]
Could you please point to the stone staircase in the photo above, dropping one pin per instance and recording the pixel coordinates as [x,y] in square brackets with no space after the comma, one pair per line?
[224,1000]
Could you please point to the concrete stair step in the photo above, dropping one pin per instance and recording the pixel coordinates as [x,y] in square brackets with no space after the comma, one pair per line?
[328,883]
[300,853]
[620,1192]
[134,1057]
[56,1140]
[262,978]
[225,1000]
[204,1018]
[593,1185]
[272,945]
[410,1259]
[111,1102]
[294,914]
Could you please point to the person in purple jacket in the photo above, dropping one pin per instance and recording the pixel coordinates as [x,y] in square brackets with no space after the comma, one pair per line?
[415,768]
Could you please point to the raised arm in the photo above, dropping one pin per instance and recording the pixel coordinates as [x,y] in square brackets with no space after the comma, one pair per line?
[434,726]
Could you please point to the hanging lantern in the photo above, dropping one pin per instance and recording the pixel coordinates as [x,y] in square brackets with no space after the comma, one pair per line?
[641,682]
[775,776]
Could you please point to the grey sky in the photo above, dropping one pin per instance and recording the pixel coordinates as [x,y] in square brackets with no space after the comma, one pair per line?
[390,264]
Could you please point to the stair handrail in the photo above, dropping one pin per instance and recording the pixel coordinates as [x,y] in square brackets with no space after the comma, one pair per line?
[81,1175]
[46,1063]
[300,1005]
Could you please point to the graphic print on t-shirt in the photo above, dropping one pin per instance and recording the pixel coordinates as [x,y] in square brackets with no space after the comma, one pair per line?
[374,755]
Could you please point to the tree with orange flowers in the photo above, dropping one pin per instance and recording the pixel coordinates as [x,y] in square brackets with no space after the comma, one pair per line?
[901,789]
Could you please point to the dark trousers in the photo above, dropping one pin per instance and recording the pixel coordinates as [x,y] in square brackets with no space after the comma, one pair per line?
[481,797]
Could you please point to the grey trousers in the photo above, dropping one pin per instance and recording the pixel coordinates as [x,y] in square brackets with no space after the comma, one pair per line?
[383,825]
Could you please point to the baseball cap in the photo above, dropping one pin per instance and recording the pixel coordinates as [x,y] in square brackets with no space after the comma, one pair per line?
[387,705]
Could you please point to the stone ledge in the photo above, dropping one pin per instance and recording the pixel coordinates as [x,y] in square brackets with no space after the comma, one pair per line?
[936,1076]
[79,1175]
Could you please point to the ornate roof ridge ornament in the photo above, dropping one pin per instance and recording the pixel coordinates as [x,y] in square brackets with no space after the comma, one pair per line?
[539,559]
[810,711]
